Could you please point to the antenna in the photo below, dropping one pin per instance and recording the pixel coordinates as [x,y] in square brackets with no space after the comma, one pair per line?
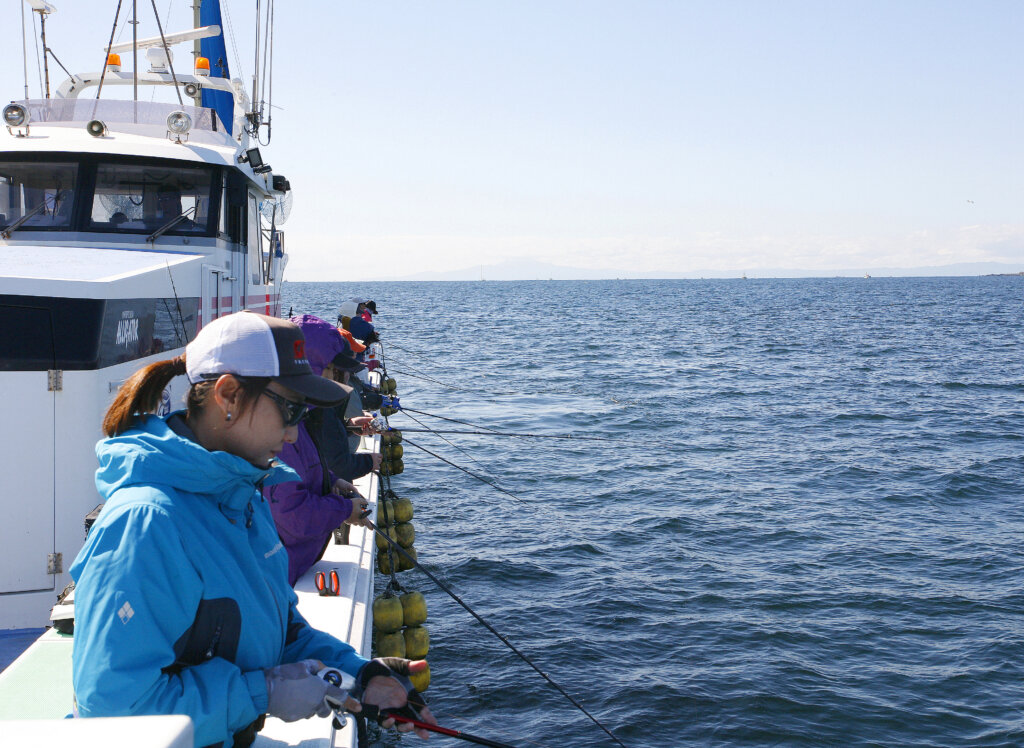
[43,9]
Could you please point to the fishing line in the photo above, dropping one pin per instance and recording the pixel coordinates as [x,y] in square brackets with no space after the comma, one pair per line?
[414,353]
[449,441]
[489,627]
[449,386]
[525,436]
[458,467]
[403,409]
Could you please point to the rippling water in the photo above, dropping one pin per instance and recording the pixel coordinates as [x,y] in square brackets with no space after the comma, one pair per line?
[810,535]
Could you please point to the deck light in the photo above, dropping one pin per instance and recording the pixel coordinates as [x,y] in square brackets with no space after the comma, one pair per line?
[113,63]
[255,161]
[202,66]
[179,123]
[15,115]
[253,158]
[96,128]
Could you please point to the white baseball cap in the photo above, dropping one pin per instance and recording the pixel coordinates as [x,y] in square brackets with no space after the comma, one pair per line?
[255,345]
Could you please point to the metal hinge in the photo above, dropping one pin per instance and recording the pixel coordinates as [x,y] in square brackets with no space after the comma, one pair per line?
[54,380]
[55,563]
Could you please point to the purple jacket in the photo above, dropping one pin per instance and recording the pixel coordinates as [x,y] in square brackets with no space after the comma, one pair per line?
[305,514]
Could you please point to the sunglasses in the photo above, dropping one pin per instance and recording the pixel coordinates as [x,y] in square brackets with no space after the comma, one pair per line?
[292,412]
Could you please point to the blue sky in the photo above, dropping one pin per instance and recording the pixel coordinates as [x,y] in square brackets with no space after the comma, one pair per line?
[638,137]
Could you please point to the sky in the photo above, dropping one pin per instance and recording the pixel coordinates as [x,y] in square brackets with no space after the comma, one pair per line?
[645,136]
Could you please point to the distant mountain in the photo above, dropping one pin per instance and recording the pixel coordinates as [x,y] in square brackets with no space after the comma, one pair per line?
[528,269]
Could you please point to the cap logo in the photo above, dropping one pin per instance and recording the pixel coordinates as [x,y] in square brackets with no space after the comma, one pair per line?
[299,350]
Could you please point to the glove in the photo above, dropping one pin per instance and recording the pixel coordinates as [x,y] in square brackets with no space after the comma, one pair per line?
[294,691]
[391,667]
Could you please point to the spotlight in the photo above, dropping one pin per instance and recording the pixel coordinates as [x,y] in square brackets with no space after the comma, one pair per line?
[191,90]
[96,128]
[179,123]
[15,115]
[253,158]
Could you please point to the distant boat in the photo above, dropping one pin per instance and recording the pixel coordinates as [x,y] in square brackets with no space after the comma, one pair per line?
[866,275]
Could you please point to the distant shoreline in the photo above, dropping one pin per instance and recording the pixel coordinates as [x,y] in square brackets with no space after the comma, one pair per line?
[677,278]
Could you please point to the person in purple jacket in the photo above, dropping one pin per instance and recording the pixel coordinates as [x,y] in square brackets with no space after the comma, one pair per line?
[308,510]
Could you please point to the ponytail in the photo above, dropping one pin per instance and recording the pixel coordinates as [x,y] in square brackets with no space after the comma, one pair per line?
[140,394]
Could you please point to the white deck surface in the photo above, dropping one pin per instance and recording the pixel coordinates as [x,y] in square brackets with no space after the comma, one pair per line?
[93,264]
[173,731]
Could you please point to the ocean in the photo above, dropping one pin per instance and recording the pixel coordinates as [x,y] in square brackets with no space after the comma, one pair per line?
[808,532]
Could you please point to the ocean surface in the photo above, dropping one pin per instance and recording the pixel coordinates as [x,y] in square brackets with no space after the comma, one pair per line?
[809,534]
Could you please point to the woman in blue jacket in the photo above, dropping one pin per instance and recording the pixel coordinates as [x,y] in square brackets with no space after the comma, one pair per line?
[182,599]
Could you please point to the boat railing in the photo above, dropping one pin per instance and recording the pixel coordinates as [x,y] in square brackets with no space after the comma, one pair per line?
[77,112]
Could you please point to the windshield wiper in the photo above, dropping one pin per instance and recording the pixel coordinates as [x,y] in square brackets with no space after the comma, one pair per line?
[183,216]
[6,233]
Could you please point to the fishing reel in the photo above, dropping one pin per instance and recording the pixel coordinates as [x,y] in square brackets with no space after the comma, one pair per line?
[346,683]
[379,424]
[390,401]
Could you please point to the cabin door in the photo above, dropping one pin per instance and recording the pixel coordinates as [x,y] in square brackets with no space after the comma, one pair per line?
[27,492]
[213,293]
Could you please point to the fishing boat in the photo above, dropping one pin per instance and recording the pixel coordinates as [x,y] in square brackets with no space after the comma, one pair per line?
[125,226]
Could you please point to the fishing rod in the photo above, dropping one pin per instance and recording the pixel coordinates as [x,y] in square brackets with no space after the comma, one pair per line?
[529,436]
[408,557]
[446,731]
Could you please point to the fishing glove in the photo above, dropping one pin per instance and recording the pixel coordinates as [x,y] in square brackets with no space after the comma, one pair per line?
[294,691]
[389,667]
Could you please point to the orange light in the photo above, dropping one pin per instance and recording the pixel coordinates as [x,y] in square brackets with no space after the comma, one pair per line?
[202,66]
[114,61]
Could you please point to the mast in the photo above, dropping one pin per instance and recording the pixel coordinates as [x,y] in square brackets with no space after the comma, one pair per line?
[135,51]
[46,55]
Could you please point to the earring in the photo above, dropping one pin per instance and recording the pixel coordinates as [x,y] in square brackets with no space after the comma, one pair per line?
[228,416]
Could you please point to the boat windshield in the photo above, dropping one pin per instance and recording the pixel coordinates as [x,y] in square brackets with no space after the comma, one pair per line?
[107,195]
[45,193]
[143,197]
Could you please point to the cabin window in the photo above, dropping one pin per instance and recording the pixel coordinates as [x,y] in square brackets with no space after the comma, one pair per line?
[146,198]
[43,192]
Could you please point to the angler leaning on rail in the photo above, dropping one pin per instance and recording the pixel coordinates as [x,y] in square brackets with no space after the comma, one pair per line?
[308,510]
[329,427]
[186,549]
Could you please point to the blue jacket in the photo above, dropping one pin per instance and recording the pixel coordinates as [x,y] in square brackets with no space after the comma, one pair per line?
[360,328]
[182,597]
